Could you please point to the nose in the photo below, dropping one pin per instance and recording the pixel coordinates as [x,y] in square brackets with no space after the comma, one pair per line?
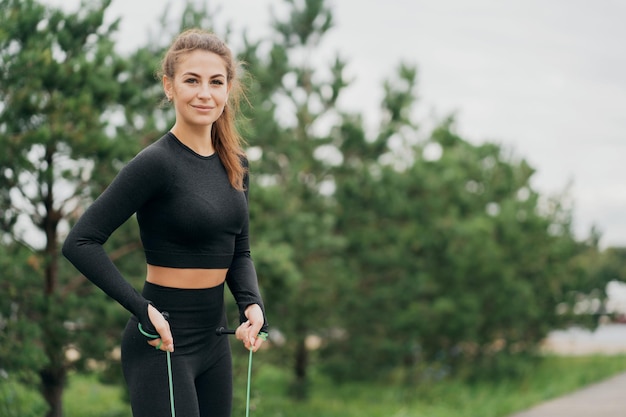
[205,91]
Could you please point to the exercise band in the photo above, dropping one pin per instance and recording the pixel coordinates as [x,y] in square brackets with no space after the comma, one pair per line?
[262,336]
[169,365]
[219,332]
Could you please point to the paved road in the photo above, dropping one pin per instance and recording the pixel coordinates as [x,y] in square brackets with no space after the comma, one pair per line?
[604,399]
[607,339]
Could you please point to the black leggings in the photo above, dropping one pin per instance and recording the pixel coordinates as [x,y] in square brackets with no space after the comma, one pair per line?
[201,361]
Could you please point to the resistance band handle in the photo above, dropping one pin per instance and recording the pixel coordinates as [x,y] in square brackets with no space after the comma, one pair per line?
[222,331]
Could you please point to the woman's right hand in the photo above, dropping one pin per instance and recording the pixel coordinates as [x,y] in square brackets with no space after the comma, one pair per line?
[166,341]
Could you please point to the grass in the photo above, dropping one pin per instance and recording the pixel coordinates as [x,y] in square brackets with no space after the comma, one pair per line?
[85,396]
[555,376]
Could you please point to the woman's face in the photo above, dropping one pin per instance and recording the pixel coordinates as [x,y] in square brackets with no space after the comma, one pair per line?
[199,89]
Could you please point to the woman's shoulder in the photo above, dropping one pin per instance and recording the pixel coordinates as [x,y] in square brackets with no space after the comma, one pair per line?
[153,166]
[157,155]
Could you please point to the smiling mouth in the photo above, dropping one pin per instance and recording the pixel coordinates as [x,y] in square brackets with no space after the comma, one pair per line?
[203,108]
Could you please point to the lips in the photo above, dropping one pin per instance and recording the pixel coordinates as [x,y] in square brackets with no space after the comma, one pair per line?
[203,108]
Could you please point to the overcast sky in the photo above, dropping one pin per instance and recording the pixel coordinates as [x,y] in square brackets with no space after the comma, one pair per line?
[545,78]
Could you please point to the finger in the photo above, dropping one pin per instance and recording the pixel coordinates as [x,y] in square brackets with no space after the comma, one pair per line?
[252,339]
[242,330]
[156,343]
[259,341]
[160,344]
[162,327]
[256,345]
[168,341]
[166,336]
[255,340]
[254,333]
[248,340]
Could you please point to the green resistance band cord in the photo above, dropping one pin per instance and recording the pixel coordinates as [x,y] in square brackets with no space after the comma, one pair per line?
[262,335]
[169,367]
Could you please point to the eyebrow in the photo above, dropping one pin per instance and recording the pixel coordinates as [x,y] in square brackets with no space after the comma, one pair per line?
[193,74]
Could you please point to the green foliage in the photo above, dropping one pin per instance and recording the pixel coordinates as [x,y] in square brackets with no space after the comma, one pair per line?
[410,255]
[297,262]
[456,259]
[20,298]
[59,89]
[86,397]
[448,398]
[16,400]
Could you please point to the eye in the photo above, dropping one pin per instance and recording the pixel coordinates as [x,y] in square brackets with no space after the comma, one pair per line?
[191,81]
[217,82]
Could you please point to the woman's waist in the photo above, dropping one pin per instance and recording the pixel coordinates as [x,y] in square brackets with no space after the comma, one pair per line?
[188,307]
[185,278]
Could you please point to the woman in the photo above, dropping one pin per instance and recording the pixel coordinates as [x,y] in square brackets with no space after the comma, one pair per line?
[189,191]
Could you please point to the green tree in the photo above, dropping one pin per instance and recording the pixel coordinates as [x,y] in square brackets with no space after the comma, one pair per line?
[292,101]
[456,258]
[59,91]
[19,357]
[598,268]
[376,215]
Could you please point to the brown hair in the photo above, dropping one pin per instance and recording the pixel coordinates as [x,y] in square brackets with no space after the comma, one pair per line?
[226,139]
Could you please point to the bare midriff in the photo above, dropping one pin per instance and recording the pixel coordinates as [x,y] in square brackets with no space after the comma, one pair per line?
[190,278]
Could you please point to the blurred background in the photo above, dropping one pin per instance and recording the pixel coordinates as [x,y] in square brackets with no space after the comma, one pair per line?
[435,197]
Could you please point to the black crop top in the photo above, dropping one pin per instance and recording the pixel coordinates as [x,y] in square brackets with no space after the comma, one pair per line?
[189,216]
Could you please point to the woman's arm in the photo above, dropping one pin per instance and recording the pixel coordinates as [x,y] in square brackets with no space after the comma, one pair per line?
[136,183]
[243,282]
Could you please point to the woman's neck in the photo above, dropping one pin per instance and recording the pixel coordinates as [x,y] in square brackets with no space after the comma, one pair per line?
[199,140]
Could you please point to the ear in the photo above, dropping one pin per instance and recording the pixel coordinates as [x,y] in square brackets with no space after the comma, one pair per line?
[168,87]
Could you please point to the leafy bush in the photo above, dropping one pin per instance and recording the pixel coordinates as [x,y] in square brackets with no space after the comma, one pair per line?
[18,399]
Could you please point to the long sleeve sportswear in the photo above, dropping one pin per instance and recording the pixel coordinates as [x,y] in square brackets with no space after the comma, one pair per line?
[189,216]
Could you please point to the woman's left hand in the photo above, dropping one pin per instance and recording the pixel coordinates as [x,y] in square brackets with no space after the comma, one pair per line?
[249,330]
